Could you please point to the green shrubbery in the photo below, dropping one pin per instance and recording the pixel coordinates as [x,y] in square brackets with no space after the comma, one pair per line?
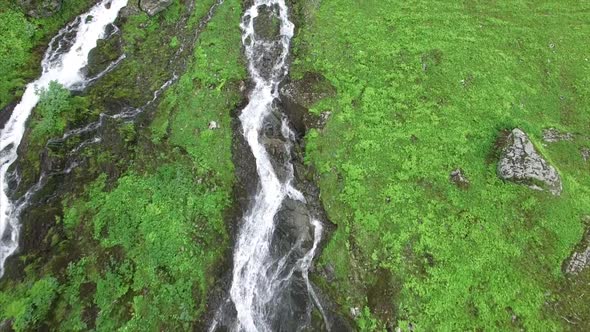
[30,307]
[55,109]
[15,45]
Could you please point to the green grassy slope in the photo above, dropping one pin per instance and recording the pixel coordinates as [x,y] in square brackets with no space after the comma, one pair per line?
[424,88]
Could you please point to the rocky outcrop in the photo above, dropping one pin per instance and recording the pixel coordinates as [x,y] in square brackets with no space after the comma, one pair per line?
[105,54]
[40,8]
[307,91]
[578,262]
[298,96]
[5,113]
[459,179]
[580,259]
[153,7]
[266,24]
[553,135]
[521,163]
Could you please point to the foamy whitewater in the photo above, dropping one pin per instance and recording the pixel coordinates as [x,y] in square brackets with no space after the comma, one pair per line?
[263,279]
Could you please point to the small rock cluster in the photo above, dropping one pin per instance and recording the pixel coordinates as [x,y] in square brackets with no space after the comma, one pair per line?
[521,163]
[40,8]
[458,178]
[578,262]
[553,135]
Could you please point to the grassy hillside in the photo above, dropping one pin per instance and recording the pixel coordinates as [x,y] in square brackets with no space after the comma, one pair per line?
[424,88]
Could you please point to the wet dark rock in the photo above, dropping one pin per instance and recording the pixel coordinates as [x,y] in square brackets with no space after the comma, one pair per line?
[297,97]
[40,8]
[153,7]
[270,52]
[5,113]
[280,156]
[585,154]
[521,163]
[552,135]
[459,179]
[307,91]
[267,24]
[106,52]
[294,226]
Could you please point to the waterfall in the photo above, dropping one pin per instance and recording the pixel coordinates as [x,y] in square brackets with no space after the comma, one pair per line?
[66,55]
[270,288]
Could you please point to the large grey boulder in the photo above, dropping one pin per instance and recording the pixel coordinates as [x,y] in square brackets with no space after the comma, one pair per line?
[521,163]
[153,7]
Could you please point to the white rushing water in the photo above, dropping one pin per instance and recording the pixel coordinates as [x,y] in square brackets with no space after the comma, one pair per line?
[63,61]
[258,274]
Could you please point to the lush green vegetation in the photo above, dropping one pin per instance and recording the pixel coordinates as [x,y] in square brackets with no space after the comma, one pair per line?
[139,251]
[424,88]
[55,110]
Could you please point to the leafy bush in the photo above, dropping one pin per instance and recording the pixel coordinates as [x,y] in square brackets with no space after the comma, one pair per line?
[30,309]
[15,44]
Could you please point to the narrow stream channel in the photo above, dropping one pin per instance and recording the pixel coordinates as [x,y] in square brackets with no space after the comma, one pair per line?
[278,236]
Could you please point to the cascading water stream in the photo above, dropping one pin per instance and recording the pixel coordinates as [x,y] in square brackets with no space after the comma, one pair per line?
[270,289]
[63,61]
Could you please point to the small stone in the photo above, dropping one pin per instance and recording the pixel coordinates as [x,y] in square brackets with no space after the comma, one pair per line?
[213,125]
[153,7]
[355,312]
[521,163]
[585,154]
[329,272]
[552,135]
[324,117]
[458,177]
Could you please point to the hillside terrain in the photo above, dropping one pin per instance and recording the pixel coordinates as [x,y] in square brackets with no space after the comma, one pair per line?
[443,147]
